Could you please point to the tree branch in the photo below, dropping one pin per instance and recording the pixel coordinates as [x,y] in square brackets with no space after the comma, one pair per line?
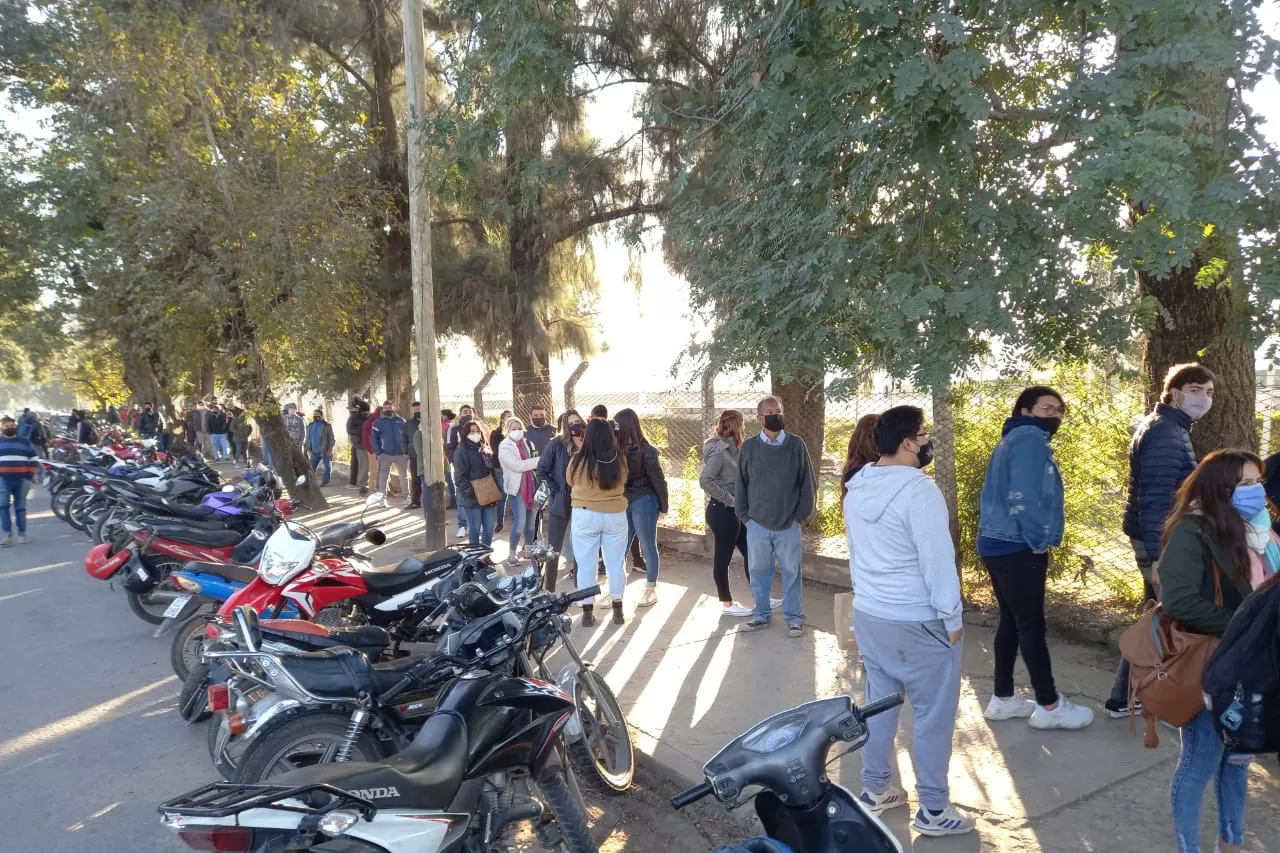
[586,223]
[336,57]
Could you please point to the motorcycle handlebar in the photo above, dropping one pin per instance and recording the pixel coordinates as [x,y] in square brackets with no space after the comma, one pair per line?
[880,706]
[582,594]
[691,796]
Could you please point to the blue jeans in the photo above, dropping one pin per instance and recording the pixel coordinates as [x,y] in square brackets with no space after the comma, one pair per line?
[642,521]
[480,524]
[764,546]
[1204,758]
[522,519]
[501,506]
[17,490]
[316,459]
[221,447]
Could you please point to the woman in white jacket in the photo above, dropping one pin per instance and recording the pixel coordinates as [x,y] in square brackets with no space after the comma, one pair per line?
[518,459]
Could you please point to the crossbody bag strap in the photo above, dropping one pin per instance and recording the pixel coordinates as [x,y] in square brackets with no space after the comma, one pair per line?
[1217,582]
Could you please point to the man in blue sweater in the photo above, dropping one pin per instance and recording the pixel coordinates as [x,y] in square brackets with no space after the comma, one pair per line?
[17,470]
[389,446]
[1160,458]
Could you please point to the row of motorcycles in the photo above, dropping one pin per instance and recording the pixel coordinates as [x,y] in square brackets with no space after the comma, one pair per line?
[438,706]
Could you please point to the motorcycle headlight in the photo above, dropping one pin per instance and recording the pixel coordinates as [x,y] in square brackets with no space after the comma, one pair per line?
[274,570]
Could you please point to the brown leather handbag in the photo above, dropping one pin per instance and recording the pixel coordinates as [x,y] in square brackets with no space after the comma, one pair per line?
[1166,665]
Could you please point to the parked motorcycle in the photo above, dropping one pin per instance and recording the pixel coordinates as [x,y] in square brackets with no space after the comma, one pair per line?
[491,756]
[782,762]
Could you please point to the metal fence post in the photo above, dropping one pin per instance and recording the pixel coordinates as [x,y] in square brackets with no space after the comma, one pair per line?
[477,396]
[572,383]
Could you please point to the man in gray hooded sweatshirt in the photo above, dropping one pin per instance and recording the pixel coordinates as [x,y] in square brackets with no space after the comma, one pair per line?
[907,617]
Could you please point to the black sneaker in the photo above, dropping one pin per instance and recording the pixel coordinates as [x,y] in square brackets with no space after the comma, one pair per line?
[756,624]
[1121,710]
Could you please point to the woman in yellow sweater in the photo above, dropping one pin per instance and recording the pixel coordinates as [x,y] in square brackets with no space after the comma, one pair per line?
[597,478]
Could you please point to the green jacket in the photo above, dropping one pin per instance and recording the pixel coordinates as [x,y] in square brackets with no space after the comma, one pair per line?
[417,447]
[1186,579]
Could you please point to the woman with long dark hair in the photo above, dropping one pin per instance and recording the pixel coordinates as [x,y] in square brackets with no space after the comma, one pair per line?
[597,476]
[719,478]
[473,461]
[646,496]
[862,450]
[553,467]
[1205,572]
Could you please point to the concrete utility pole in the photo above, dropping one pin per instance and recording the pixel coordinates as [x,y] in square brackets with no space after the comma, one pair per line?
[434,497]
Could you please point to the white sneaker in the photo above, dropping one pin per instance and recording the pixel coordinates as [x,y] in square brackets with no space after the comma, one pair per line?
[879,803]
[946,822]
[462,533]
[775,603]
[1009,709]
[604,600]
[1067,715]
[734,609]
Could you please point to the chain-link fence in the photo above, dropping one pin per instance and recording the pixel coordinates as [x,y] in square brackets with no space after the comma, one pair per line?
[1094,578]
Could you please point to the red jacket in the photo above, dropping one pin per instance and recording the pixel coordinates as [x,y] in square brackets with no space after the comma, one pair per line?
[366,437]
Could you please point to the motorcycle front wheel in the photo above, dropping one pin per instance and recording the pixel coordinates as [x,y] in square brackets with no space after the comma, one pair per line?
[605,747]
[107,525]
[193,702]
[571,831]
[76,509]
[304,741]
[187,646]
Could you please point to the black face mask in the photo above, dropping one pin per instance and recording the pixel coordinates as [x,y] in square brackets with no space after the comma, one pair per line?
[1049,425]
[925,454]
[539,422]
[774,423]
[576,430]
[10,433]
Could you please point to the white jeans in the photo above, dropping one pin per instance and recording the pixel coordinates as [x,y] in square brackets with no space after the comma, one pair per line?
[595,532]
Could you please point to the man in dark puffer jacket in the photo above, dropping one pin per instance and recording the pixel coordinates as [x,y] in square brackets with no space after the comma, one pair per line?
[1160,458]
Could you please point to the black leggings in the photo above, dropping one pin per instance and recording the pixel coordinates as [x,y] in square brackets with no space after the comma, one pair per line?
[729,534]
[1019,584]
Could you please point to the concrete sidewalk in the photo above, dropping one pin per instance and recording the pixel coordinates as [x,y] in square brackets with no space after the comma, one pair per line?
[690,681]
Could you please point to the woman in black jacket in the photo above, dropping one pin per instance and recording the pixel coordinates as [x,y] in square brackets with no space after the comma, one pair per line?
[474,461]
[1206,570]
[552,469]
[646,496]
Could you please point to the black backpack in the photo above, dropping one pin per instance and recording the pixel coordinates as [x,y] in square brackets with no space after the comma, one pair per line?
[1242,678]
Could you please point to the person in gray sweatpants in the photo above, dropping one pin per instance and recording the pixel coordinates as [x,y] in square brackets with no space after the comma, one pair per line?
[907,618]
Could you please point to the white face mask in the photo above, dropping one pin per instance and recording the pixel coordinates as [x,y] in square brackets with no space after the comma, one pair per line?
[1196,405]
[516,434]
[474,436]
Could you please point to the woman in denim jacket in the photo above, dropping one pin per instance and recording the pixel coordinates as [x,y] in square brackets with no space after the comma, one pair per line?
[1021,518]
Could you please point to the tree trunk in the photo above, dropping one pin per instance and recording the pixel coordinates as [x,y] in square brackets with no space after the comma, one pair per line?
[804,406]
[1203,324]
[530,376]
[398,356]
[287,458]
[140,376]
[205,386]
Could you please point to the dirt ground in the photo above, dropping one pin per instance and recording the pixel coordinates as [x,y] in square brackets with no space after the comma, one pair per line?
[643,821]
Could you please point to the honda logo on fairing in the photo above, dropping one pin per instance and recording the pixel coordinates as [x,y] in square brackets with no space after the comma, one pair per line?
[377,793]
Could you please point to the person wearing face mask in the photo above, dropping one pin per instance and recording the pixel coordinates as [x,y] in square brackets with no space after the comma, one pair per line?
[540,430]
[1160,459]
[773,497]
[1208,567]
[495,442]
[472,462]
[413,443]
[553,468]
[320,442]
[387,437]
[907,617]
[17,469]
[1020,519]
[518,460]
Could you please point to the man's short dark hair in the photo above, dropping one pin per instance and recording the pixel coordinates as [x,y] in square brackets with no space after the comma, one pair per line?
[600,411]
[1028,398]
[896,426]
[1182,375]
[415,403]
[447,414]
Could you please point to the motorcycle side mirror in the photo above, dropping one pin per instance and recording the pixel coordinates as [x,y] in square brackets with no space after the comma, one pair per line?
[301,481]
[377,499]
[375,537]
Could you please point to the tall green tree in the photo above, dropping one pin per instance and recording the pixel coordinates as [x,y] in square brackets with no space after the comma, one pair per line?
[890,185]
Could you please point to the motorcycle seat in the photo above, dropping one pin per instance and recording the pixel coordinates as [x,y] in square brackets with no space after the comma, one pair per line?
[426,775]
[366,638]
[408,573]
[198,536]
[230,571]
[344,672]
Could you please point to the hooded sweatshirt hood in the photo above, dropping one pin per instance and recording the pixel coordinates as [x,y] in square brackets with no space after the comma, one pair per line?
[901,557]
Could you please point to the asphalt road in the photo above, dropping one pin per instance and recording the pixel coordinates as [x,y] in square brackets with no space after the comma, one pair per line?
[90,741]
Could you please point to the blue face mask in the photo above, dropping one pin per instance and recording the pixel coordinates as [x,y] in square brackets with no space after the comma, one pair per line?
[1250,500]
